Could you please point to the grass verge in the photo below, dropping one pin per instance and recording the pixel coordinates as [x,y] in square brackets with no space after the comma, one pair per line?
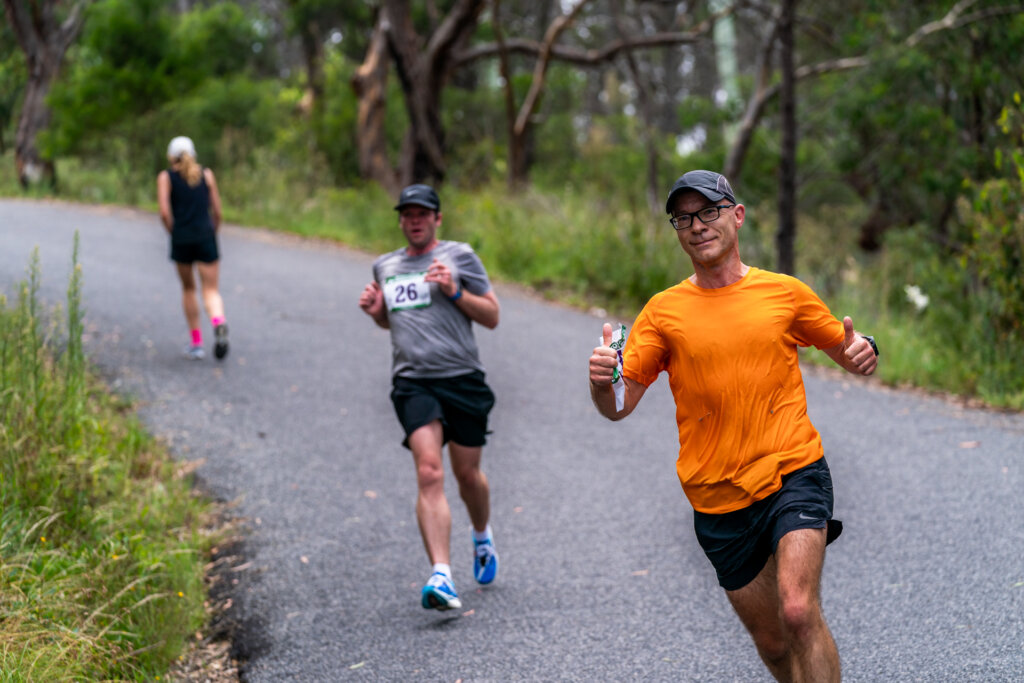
[103,540]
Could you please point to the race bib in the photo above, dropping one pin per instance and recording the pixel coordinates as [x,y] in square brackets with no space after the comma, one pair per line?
[407,291]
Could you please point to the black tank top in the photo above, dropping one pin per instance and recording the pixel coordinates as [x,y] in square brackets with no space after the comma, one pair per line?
[190,207]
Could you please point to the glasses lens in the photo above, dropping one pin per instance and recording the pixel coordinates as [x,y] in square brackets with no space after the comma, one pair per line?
[709,214]
[682,222]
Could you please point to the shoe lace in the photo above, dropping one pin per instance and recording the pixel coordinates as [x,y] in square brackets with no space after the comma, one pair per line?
[484,550]
[439,581]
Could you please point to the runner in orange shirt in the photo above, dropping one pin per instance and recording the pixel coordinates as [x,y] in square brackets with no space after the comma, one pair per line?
[750,461]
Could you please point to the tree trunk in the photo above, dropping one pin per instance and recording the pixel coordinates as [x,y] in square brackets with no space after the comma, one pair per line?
[44,40]
[423,70]
[522,128]
[370,85]
[31,167]
[786,235]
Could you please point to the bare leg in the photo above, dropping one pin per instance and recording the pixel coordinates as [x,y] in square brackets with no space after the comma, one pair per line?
[781,609]
[189,302]
[757,605]
[432,511]
[473,486]
[801,555]
[209,275]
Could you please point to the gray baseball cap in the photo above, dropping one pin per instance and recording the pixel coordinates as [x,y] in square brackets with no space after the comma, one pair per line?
[420,195]
[712,185]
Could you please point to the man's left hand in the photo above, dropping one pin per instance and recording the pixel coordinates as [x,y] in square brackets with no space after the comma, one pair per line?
[442,275]
[860,356]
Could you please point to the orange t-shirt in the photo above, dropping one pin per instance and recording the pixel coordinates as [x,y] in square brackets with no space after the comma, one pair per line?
[731,358]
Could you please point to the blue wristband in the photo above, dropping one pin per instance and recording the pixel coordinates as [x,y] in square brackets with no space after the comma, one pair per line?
[456,296]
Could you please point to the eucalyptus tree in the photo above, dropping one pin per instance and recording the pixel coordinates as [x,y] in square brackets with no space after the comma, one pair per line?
[44,29]
[906,93]
[421,47]
[12,81]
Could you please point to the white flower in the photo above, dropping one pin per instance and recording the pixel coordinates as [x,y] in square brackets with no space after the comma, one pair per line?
[916,296]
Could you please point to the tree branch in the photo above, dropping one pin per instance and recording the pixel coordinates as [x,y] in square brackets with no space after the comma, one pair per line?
[581,57]
[755,108]
[540,70]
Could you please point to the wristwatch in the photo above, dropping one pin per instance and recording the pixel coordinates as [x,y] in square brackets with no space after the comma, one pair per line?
[871,340]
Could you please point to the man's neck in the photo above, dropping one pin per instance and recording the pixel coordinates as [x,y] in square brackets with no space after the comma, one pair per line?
[413,251]
[717,277]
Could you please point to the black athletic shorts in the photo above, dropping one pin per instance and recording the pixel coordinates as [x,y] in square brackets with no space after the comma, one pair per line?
[205,251]
[461,404]
[739,543]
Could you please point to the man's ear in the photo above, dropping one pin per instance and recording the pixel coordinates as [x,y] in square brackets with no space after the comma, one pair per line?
[741,214]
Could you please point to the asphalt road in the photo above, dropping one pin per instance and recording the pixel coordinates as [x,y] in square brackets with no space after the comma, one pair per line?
[601,576]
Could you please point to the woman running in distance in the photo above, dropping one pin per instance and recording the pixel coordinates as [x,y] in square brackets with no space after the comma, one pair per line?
[190,210]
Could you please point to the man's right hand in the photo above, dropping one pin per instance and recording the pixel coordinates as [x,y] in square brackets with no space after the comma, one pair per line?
[372,300]
[604,359]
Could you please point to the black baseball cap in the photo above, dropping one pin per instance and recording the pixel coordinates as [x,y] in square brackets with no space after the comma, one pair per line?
[420,195]
[712,185]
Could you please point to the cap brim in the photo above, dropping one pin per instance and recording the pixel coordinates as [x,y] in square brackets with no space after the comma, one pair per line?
[708,194]
[399,207]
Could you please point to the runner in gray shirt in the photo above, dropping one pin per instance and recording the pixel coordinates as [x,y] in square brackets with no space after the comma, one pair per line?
[428,294]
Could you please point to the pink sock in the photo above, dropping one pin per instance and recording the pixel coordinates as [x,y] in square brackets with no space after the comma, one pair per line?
[216,321]
[197,337]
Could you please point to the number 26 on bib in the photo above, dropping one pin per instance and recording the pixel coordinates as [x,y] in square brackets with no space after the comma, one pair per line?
[407,291]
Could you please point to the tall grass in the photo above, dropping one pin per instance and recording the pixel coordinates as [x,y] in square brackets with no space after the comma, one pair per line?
[101,546]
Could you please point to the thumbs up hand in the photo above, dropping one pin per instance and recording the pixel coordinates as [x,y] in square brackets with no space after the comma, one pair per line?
[859,353]
[604,359]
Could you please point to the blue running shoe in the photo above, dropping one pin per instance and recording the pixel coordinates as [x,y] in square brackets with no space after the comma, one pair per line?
[485,565]
[439,593]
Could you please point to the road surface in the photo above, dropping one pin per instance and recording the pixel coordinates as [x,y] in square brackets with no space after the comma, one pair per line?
[601,576]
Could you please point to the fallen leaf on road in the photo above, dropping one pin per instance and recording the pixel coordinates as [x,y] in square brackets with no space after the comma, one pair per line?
[304,559]
[370,494]
[969,444]
[356,666]
[469,613]
[641,572]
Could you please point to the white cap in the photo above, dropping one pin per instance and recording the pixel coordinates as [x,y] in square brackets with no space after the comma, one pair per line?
[181,145]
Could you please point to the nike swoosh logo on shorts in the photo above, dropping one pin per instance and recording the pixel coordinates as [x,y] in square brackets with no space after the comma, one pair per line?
[803,516]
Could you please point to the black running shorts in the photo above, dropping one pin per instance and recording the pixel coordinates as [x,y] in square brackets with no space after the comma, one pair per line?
[205,251]
[739,543]
[461,404]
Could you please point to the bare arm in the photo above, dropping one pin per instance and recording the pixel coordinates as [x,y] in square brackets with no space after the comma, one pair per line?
[603,361]
[163,200]
[215,209]
[372,303]
[480,308]
[854,354]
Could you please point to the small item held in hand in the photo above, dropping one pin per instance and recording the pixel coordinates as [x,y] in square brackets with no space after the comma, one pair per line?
[618,386]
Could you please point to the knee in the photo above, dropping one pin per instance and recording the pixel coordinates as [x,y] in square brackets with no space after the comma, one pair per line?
[468,476]
[771,641]
[775,651]
[800,616]
[430,475]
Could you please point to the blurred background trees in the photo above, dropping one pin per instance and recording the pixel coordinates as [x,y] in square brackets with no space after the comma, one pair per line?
[860,134]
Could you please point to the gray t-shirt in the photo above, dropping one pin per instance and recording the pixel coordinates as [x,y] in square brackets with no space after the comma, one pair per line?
[430,336]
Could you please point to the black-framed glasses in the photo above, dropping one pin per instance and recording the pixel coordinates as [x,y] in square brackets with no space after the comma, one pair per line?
[710,214]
